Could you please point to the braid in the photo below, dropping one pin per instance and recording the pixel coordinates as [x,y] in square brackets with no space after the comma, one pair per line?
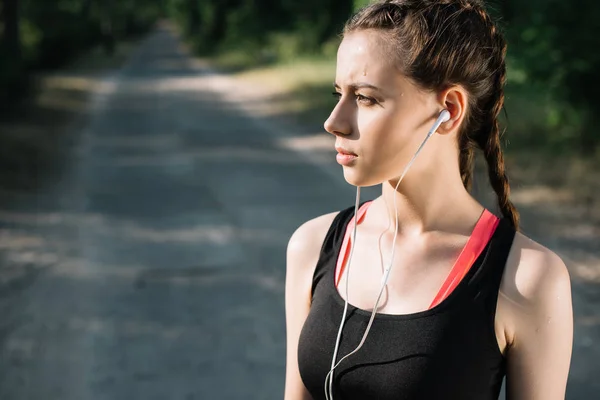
[497,175]
[490,130]
[467,157]
[488,137]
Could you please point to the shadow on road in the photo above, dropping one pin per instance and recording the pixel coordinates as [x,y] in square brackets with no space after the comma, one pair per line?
[160,245]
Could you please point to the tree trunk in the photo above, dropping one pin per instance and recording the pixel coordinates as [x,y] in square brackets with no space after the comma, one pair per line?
[194,17]
[12,38]
[86,8]
[108,33]
[218,28]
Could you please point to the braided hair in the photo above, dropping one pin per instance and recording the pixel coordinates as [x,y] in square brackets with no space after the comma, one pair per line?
[443,43]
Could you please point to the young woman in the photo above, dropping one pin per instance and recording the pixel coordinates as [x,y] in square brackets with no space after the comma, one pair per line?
[444,299]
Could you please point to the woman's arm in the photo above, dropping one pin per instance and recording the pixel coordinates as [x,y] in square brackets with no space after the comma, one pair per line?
[302,255]
[538,291]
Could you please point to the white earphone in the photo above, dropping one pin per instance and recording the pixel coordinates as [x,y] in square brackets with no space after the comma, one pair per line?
[443,117]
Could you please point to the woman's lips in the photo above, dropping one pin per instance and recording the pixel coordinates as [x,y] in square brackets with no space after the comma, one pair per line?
[344,157]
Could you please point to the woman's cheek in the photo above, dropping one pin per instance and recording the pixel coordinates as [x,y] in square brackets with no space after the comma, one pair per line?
[373,124]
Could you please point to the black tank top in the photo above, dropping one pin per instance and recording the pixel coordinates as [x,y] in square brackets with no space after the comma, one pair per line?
[448,352]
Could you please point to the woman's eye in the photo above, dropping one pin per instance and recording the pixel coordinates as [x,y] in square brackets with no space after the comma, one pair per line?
[365,100]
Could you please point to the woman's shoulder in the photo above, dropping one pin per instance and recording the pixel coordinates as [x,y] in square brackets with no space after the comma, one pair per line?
[303,250]
[534,272]
[536,311]
[306,241]
[537,287]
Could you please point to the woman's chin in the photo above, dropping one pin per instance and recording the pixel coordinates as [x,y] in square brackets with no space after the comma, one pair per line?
[355,177]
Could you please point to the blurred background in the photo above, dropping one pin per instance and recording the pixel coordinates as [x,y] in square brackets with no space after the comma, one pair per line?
[156,156]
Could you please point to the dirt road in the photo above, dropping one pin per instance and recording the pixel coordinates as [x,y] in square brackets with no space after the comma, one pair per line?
[160,255]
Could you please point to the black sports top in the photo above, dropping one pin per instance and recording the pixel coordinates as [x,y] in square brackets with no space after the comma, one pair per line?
[447,352]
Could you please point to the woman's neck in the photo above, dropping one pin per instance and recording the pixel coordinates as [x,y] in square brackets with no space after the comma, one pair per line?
[428,202]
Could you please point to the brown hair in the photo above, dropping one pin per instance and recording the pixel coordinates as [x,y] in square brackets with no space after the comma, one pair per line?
[441,43]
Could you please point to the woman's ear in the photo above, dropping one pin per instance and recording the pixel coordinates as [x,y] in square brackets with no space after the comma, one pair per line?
[455,100]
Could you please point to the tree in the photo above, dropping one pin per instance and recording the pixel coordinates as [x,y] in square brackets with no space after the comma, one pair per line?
[11,41]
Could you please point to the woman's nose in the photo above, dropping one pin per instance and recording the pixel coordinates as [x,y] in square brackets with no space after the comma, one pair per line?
[338,122]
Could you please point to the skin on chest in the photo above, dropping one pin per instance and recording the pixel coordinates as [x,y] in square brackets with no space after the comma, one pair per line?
[419,267]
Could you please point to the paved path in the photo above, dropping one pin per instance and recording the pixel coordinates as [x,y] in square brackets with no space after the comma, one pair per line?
[170,232]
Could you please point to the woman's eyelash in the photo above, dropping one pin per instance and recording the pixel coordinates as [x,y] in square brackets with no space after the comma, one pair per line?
[363,99]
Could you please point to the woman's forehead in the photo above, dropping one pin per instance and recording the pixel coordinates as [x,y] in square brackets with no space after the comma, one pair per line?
[362,55]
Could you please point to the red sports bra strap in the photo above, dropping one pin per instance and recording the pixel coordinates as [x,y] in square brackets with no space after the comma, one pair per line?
[482,233]
[485,228]
[346,245]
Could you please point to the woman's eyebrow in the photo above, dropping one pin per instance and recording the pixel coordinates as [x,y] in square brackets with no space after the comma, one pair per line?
[359,85]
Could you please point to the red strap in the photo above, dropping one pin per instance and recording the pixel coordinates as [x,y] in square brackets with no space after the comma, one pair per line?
[345,250]
[482,233]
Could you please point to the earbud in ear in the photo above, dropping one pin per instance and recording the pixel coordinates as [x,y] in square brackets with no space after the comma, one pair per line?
[444,116]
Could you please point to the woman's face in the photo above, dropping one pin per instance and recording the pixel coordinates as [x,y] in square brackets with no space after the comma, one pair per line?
[381,117]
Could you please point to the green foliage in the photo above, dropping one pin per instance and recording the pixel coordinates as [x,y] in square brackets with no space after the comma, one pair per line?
[358,4]
[553,43]
[50,33]
[285,46]
[212,25]
[552,54]
[552,61]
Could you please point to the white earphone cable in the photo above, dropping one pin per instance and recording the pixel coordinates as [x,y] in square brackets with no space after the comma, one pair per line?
[443,117]
[337,342]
